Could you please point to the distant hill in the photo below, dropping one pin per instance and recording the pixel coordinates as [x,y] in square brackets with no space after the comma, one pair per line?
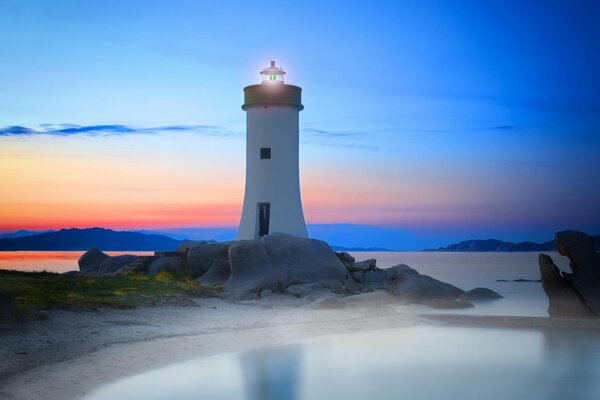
[83,239]
[499,245]
[22,232]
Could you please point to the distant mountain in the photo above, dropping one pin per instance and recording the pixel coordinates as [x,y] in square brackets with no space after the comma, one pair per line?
[21,233]
[83,239]
[499,245]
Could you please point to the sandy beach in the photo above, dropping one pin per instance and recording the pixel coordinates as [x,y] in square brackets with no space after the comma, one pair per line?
[70,354]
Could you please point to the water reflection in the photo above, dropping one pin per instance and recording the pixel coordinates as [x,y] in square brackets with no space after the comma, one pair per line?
[420,362]
[272,373]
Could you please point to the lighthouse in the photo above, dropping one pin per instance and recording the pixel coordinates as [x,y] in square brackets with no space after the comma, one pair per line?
[272,200]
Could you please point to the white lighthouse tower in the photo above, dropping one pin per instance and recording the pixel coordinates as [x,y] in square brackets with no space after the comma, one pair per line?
[272,197]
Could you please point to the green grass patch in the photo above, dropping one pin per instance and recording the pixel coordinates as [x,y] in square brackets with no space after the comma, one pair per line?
[39,291]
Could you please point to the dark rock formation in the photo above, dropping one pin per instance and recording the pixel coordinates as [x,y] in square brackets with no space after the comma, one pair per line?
[575,294]
[585,264]
[563,299]
[90,261]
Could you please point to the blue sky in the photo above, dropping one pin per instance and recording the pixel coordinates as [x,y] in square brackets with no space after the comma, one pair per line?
[444,119]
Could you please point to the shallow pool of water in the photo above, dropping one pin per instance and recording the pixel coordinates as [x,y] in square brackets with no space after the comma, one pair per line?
[422,362]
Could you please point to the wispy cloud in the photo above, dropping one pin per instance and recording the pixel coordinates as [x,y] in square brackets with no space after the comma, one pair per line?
[321,132]
[111,130]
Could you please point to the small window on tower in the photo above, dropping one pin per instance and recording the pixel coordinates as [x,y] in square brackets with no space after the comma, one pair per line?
[265,153]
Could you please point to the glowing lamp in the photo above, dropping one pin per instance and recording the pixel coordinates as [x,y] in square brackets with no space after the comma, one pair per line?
[272,74]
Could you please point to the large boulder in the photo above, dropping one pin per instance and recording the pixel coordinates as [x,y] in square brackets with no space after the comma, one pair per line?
[111,265]
[90,261]
[278,260]
[201,257]
[172,265]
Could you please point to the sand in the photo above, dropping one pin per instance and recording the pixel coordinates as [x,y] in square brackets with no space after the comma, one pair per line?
[70,354]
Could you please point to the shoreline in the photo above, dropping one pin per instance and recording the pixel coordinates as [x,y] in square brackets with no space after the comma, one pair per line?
[70,354]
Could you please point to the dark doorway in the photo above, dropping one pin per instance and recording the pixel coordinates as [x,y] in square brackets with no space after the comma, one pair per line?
[264,213]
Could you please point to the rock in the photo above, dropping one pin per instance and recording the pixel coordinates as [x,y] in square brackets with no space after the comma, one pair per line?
[346,259]
[444,304]
[218,273]
[112,264]
[90,261]
[375,280]
[278,260]
[585,264]
[417,288]
[563,299]
[201,257]
[400,270]
[8,309]
[479,294]
[168,264]
[366,265]
[70,273]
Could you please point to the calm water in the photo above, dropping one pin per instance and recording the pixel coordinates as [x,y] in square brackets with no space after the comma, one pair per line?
[423,362]
[55,261]
[465,270]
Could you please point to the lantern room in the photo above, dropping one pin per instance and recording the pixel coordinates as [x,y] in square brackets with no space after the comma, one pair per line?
[272,74]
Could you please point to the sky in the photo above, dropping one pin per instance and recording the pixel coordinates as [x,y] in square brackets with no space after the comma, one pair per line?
[425,122]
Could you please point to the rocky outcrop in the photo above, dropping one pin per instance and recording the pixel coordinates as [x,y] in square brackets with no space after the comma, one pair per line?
[409,286]
[172,265]
[279,260]
[203,256]
[414,287]
[90,261]
[584,263]
[575,294]
[563,300]
[111,265]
